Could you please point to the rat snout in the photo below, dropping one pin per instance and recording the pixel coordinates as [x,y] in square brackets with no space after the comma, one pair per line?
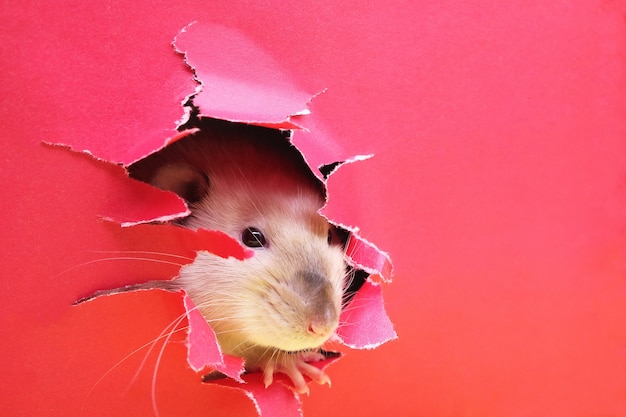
[320,329]
[322,307]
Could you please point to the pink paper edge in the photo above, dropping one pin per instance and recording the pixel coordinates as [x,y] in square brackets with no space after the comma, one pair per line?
[203,350]
[370,325]
[284,121]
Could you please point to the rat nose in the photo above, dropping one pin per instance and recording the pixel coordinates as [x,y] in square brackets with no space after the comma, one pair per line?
[320,303]
[318,329]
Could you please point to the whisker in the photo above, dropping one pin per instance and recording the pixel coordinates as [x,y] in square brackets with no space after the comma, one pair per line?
[142,252]
[173,325]
[119,258]
[120,362]
[158,362]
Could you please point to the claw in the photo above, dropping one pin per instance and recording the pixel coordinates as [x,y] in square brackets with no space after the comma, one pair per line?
[316,374]
[297,378]
[296,367]
[268,374]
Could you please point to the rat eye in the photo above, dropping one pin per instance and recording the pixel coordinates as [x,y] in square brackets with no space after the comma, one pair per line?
[253,238]
[329,239]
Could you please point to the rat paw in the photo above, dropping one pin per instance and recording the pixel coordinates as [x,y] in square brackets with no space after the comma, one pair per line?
[296,366]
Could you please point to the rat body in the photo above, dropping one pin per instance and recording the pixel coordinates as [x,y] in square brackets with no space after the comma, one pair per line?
[276,308]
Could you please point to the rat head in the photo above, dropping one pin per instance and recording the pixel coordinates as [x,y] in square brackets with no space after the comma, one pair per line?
[288,295]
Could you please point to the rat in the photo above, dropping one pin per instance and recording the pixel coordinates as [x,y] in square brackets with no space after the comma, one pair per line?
[277,308]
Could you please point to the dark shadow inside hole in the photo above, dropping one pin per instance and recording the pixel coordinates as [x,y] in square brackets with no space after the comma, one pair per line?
[194,116]
[357,279]
[328,169]
[266,140]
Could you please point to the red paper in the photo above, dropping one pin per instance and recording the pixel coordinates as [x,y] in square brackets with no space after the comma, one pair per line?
[497,184]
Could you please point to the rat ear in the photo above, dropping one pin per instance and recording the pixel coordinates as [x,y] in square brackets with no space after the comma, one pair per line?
[184,180]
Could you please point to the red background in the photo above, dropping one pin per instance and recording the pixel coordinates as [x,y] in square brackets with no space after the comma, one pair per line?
[497,187]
